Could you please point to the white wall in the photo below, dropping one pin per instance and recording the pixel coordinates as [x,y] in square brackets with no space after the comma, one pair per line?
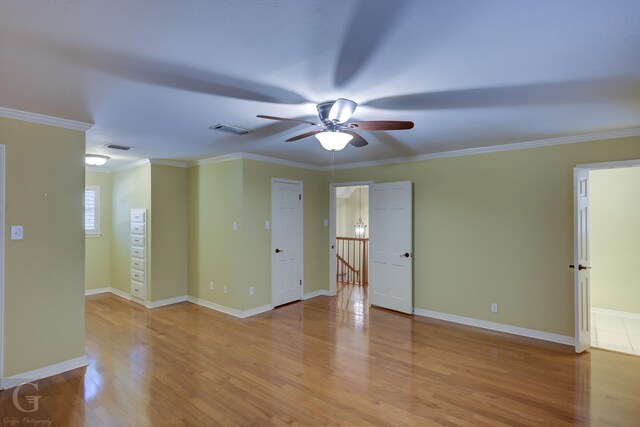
[615,239]
[348,212]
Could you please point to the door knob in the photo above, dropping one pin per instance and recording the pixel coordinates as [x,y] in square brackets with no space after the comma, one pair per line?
[405,255]
[279,250]
[580,267]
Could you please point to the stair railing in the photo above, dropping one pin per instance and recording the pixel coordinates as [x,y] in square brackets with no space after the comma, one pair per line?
[351,261]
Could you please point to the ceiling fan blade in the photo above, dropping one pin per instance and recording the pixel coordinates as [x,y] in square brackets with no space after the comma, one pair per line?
[304,135]
[284,119]
[357,140]
[381,125]
[342,110]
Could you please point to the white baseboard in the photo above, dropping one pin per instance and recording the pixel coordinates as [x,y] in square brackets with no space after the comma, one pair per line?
[257,310]
[318,293]
[228,310]
[168,301]
[121,294]
[217,307]
[500,327]
[615,312]
[204,303]
[107,290]
[47,371]
[97,291]
[148,304]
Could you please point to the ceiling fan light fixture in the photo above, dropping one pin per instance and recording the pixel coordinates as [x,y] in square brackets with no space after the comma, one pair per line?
[95,159]
[333,140]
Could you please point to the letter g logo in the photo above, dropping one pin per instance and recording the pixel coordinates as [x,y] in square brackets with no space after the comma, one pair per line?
[33,401]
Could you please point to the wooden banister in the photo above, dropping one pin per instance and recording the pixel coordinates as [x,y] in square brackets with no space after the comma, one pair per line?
[352,260]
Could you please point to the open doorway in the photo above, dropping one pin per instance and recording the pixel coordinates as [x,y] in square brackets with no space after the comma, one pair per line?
[614,202]
[350,247]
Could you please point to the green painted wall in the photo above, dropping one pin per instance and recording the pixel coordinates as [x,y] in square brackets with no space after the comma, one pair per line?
[168,232]
[44,272]
[615,238]
[215,250]
[497,228]
[240,191]
[131,189]
[257,241]
[98,248]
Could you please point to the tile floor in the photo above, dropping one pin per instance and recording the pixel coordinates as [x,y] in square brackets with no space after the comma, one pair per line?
[615,331]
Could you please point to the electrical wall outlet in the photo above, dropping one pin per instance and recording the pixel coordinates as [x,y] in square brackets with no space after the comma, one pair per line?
[494,307]
[16,232]
[226,289]
[252,290]
[210,286]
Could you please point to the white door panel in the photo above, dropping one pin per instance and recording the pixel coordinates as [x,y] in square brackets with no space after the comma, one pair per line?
[391,243]
[582,260]
[286,241]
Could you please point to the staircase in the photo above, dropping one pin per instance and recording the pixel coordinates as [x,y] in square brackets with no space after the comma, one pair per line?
[352,261]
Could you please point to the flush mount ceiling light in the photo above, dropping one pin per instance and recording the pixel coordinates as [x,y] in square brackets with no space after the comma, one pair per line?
[95,159]
[333,140]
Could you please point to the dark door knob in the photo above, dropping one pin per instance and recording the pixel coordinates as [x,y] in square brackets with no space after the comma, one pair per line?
[406,255]
[279,250]
[580,267]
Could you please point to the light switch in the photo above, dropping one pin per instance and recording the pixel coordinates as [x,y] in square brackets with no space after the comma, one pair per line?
[16,232]
[234,226]
[325,222]
[267,225]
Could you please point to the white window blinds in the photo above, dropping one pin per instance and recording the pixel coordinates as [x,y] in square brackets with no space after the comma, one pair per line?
[92,209]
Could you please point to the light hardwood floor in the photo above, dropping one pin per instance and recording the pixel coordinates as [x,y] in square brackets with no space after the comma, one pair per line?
[329,362]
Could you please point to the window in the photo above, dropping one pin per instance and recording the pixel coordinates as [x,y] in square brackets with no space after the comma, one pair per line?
[92,209]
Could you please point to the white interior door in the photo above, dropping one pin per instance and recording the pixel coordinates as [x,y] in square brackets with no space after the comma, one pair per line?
[582,261]
[286,241]
[2,227]
[391,246]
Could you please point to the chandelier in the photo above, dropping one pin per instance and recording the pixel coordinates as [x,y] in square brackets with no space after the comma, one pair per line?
[360,227]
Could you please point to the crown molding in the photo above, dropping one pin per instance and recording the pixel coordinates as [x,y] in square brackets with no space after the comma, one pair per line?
[574,139]
[172,163]
[25,116]
[217,159]
[131,165]
[138,163]
[256,157]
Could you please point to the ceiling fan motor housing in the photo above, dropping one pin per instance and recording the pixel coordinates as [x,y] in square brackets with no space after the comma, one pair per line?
[323,111]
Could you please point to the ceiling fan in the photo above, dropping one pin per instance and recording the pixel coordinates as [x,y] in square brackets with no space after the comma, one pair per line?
[335,129]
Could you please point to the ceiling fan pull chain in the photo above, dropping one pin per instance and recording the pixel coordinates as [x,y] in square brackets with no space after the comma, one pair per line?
[333,166]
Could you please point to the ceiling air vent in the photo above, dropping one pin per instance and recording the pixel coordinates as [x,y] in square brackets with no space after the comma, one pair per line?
[234,130]
[118,147]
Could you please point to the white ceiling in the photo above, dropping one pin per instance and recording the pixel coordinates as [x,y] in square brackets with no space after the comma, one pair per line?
[155,74]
